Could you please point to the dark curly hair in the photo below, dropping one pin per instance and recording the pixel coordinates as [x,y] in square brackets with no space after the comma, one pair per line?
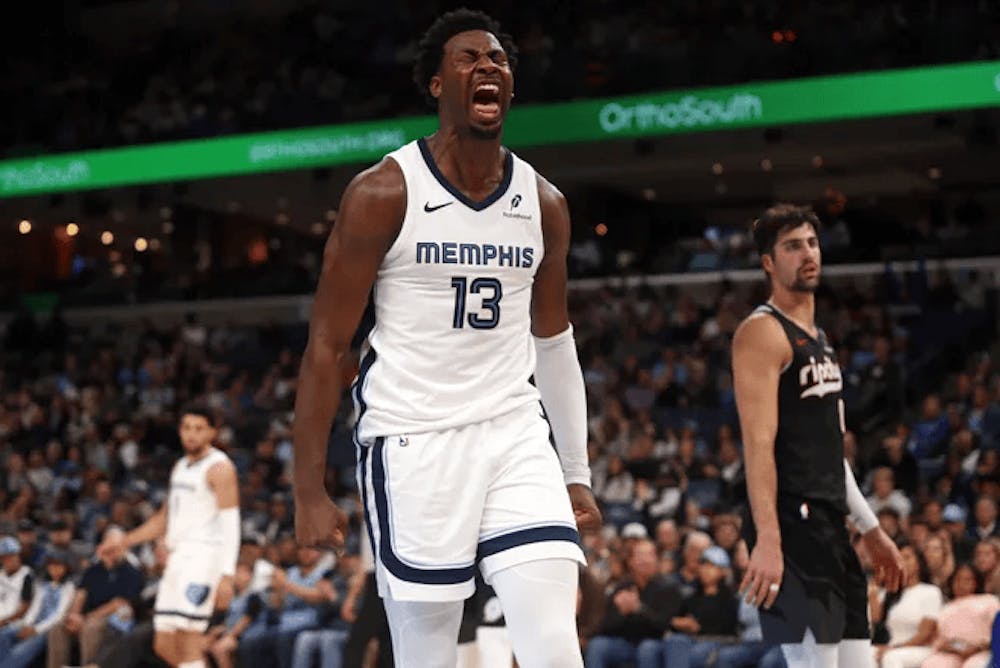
[430,50]
[777,219]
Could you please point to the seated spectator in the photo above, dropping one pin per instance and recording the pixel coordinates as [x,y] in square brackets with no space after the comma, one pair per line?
[16,582]
[707,619]
[243,619]
[751,651]
[961,543]
[986,561]
[327,643]
[686,577]
[638,612]
[940,561]
[964,624]
[907,615]
[109,585]
[885,495]
[296,599]
[23,641]
[893,454]
[986,525]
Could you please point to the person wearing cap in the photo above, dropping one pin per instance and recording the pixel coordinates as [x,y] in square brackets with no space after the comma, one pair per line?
[32,553]
[954,518]
[16,582]
[706,618]
[24,640]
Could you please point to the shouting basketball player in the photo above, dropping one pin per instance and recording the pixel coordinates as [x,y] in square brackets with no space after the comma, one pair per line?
[465,246]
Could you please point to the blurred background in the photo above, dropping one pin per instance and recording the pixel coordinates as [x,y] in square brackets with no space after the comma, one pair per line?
[169,172]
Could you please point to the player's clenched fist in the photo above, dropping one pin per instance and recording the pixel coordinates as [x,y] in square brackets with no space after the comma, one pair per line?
[319,523]
[588,516]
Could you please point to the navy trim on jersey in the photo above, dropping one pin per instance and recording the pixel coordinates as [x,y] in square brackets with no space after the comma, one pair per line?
[526,536]
[439,576]
[508,173]
[185,615]
[358,390]
[363,463]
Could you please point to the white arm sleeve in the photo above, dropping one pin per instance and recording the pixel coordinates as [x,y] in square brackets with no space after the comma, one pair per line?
[229,539]
[860,512]
[560,382]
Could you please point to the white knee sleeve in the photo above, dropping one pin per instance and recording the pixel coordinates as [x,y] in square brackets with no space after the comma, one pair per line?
[424,634]
[200,663]
[855,654]
[809,654]
[539,604]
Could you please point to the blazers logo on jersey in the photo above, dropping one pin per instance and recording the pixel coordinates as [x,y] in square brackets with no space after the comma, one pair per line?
[819,379]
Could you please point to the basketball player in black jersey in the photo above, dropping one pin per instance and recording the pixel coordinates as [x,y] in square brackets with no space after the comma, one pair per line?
[803,571]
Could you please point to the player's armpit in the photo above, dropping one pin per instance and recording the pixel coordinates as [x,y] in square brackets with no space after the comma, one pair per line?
[549,312]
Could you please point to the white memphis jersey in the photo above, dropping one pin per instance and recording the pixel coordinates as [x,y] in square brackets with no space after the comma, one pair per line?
[193,515]
[452,344]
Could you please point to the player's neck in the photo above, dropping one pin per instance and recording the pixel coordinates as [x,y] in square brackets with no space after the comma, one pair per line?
[799,306]
[194,456]
[474,166]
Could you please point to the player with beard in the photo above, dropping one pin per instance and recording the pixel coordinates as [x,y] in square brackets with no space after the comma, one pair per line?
[201,522]
[463,248]
[803,571]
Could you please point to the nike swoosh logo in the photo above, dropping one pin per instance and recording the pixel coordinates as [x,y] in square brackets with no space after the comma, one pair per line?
[428,208]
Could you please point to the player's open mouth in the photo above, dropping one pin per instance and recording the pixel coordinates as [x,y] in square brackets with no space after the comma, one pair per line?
[486,100]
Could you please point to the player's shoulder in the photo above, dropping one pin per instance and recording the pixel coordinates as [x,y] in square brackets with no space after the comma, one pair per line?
[548,194]
[381,182]
[760,329]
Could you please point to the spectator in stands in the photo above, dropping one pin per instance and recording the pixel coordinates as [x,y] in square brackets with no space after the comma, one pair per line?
[894,455]
[930,436]
[885,495]
[686,577]
[639,610]
[243,618]
[986,561]
[109,585]
[964,624]
[297,595]
[16,582]
[907,615]
[327,642]
[961,543]
[986,525]
[707,619]
[750,651]
[939,559]
[23,641]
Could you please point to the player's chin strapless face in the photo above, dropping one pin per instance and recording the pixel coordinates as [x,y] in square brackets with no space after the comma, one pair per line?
[196,433]
[476,77]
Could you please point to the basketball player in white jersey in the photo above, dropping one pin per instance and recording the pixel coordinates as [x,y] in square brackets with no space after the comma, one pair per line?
[201,522]
[803,571]
[463,247]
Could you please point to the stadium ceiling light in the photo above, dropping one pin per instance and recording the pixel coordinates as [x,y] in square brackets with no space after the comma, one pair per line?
[649,194]
[141,244]
[107,237]
[717,168]
[934,173]
[331,215]
[817,161]
[766,164]
[600,229]
[283,219]
[24,227]
[154,244]
[318,228]
[72,229]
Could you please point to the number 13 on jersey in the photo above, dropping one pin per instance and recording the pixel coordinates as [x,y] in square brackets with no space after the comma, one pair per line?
[489,316]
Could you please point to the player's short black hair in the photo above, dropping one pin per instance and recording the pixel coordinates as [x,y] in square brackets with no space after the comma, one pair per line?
[778,219]
[197,408]
[431,46]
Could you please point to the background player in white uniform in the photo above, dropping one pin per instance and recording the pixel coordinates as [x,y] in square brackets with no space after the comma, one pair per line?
[465,247]
[201,521]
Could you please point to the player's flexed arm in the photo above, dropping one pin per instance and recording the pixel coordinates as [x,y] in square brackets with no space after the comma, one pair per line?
[222,479]
[370,216]
[557,370]
[760,352]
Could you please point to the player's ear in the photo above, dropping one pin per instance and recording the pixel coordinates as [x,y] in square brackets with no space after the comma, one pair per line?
[435,86]
[767,262]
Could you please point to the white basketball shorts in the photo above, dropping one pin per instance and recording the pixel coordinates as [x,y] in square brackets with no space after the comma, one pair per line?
[439,503]
[186,597]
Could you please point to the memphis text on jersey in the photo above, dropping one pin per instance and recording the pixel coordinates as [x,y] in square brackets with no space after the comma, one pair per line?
[818,379]
[481,255]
